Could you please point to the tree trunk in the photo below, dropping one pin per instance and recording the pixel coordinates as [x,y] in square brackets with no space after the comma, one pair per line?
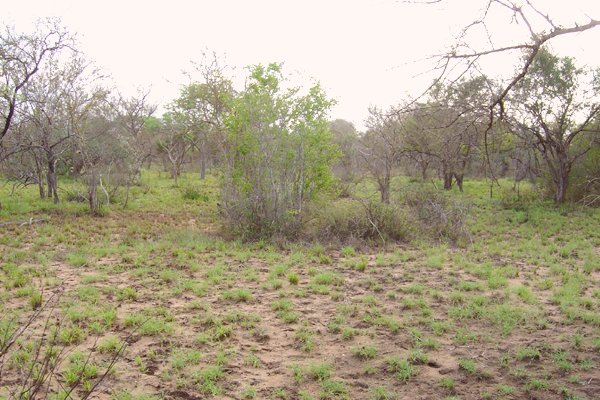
[41,189]
[51,179]
[174,173]
[447,180]
[459,181]
[424,171]
[202,161]
[93,192]
[384,188]
[561,180]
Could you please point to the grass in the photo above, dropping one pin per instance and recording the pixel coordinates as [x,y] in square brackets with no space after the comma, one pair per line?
[213,317]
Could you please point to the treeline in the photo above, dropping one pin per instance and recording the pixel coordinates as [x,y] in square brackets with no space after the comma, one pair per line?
[273,147]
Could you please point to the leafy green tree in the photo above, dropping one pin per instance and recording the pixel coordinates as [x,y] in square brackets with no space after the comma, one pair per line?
[555,103]
[201,107]
[279,154]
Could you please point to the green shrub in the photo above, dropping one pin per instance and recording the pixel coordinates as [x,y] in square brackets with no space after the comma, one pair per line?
[194,194]
[518,197]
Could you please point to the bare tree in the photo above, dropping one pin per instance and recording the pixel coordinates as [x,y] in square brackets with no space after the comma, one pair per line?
[382,147]
[175,143]
[46,110]
[131,116]
[446,131]
[21,57]
[537,26]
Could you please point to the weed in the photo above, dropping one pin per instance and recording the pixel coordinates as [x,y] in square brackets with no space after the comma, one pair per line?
[365,352]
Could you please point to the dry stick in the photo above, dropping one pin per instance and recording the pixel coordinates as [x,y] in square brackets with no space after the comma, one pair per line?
[114,359]
[31,221]
[15,335]
[371,221]
[37,355]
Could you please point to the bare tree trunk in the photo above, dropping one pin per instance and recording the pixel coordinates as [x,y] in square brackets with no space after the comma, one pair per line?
[202,160]
[459,180]
[384,188]
[561,180]
[93,192]
[51,179]
[41,189]
[174,172]
[447,180]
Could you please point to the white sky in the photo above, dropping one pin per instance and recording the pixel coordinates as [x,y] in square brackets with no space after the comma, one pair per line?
[369,52]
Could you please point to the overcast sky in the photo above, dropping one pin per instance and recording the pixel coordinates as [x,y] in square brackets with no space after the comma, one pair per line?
[369,52]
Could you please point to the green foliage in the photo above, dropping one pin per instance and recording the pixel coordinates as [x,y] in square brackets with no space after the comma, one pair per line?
[279,155]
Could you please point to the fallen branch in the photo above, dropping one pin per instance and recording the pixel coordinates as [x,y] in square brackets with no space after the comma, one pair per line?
[31,221]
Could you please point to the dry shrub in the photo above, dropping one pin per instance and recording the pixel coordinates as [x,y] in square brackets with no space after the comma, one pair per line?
[347,220]
[439,216]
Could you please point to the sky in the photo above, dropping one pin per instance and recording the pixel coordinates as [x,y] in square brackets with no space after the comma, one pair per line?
[363,52]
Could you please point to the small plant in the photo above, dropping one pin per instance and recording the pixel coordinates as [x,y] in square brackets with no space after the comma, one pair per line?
[248,392]
[127,294]
[319,372]
[348,251]
[381,393]
[401,368]
[238,295]
[361,264]
[110,344]
[331,389]
[298,373]
[528,353]
[293,278]
[349,333]
[279,393]
[447,383]
[35,300]
[306,339]
[418,356]
[467,365]
[537,384]
[365,352]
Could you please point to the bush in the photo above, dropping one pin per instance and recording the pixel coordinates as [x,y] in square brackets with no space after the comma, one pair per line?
[439,216]
[519,197]
[347,220]
[278,156]
[193,194]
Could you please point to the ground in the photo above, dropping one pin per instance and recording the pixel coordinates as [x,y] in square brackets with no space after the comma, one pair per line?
[155,298]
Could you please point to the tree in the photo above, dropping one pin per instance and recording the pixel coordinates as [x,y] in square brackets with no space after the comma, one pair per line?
[175,142]
[132,115]
[483,39]
[346,138]
[537,28]
[21,57]
[552,106]
[446,131]
[382,147]
[46,108]
[202,106]
[279,154]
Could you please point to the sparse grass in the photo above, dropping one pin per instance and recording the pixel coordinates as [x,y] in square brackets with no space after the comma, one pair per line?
[210,317]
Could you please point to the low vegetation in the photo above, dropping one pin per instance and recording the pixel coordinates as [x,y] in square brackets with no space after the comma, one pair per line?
[153,294]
